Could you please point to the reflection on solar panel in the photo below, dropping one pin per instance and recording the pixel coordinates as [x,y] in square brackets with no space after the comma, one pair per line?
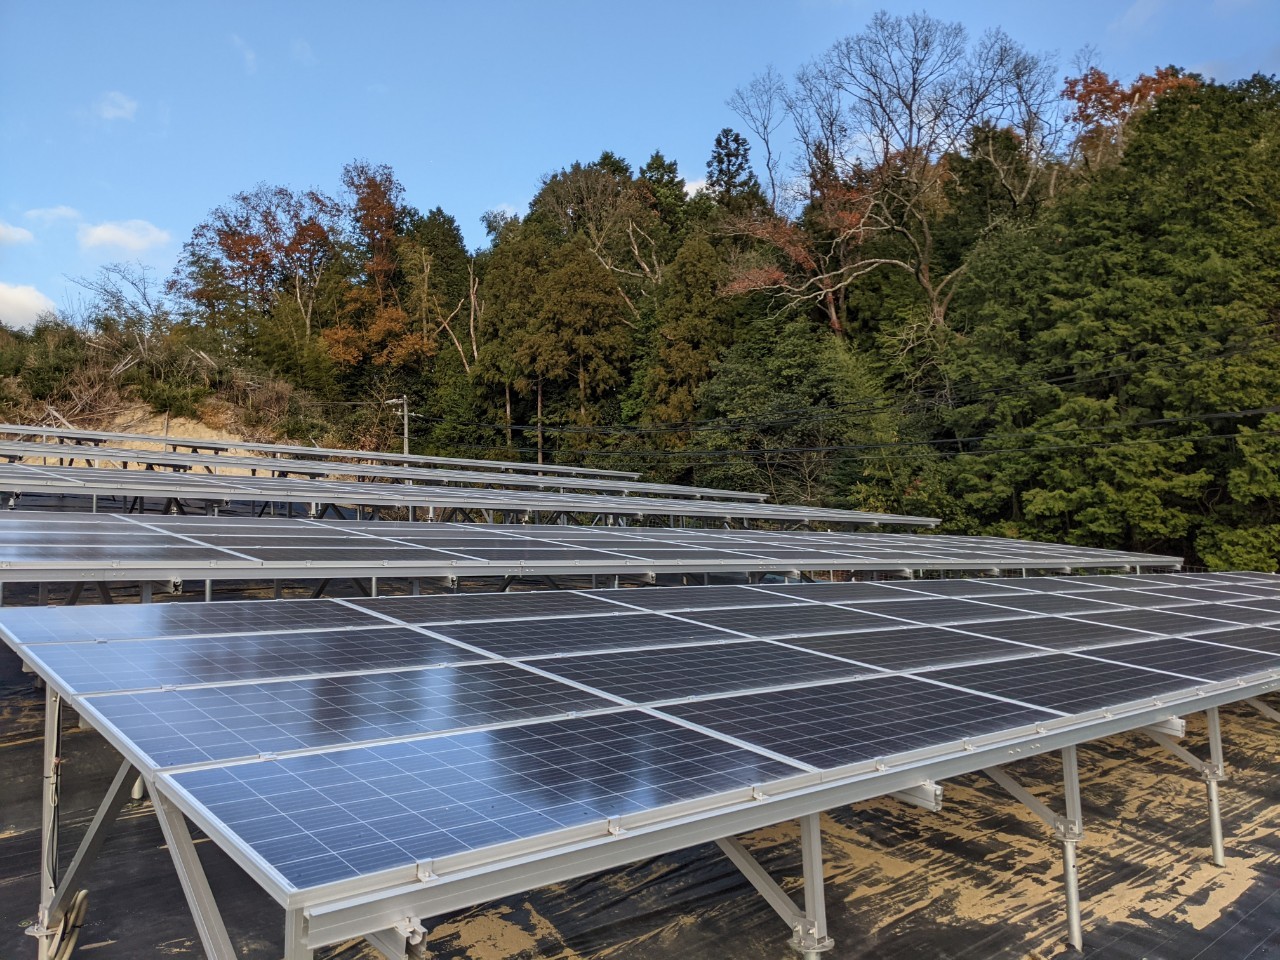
[321,818]
[56,546]
[336,748]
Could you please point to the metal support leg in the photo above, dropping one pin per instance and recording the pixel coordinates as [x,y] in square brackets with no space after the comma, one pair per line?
[1069,829]
[295,936]
[1213,770]
[204,909]
[208,591]
[812,939]
[49,815]
[1071,833]
[809,926]
[90,844]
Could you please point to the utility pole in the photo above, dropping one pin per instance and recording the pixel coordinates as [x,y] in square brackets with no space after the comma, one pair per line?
[404,408]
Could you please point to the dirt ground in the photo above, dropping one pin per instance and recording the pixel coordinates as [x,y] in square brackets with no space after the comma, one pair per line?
[978,880]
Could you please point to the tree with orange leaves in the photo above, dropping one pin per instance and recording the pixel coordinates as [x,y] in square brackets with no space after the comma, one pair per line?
[1104,108]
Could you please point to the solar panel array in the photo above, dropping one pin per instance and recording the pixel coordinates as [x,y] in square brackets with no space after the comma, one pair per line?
[52,546]
[75,436]
[91,481]
[98,456]
[327,742]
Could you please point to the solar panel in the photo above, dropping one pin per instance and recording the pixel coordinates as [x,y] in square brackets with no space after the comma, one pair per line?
[1180,624]
[1266,639]
[526,638]
[140,621]
[245,721]
[843,723]
[832,592]
[330,741]
[691,598]
[326,817]
[947,610]
[484,606]
[649,676]
[1045,631]
[1063,682]
[792,621]
[1056,603]
[911,648]
[965,587]
[118,665]
[1192,658]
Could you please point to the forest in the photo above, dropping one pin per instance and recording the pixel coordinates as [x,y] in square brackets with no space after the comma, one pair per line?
[931,273]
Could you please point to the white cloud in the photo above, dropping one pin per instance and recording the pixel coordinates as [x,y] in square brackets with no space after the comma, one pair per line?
[693,187]
[22,306]
[114,105]
[302,52]
[50,214]
[247,53]
[11,235]
[134,236]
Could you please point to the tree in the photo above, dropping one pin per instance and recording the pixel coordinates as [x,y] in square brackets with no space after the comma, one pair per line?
[601,203]
[1121,351]
[877,115]
[690,333]
[373,323]
[1103,109]
[730,180]
[265,245]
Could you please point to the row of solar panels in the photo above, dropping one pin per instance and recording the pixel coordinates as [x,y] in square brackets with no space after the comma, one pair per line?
[337,747]
[105,456]
[98,482]
[72,435]
[58,546]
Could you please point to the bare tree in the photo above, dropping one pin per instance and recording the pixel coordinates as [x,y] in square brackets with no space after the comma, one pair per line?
[875,118]
[762,105]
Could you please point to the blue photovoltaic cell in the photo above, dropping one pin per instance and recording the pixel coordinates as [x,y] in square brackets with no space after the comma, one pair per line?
[485,606]
[1064,682]
[223,723]
[100,667]
[145,620]
[833,592]
[794,620]
[693,598]
[524,638]
[910,648]
[326,817]
[1179,622]
[842,723]
[646,676]
[1191,658]
[1057,634]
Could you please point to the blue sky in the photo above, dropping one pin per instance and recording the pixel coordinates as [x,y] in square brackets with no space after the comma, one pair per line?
[122,124]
